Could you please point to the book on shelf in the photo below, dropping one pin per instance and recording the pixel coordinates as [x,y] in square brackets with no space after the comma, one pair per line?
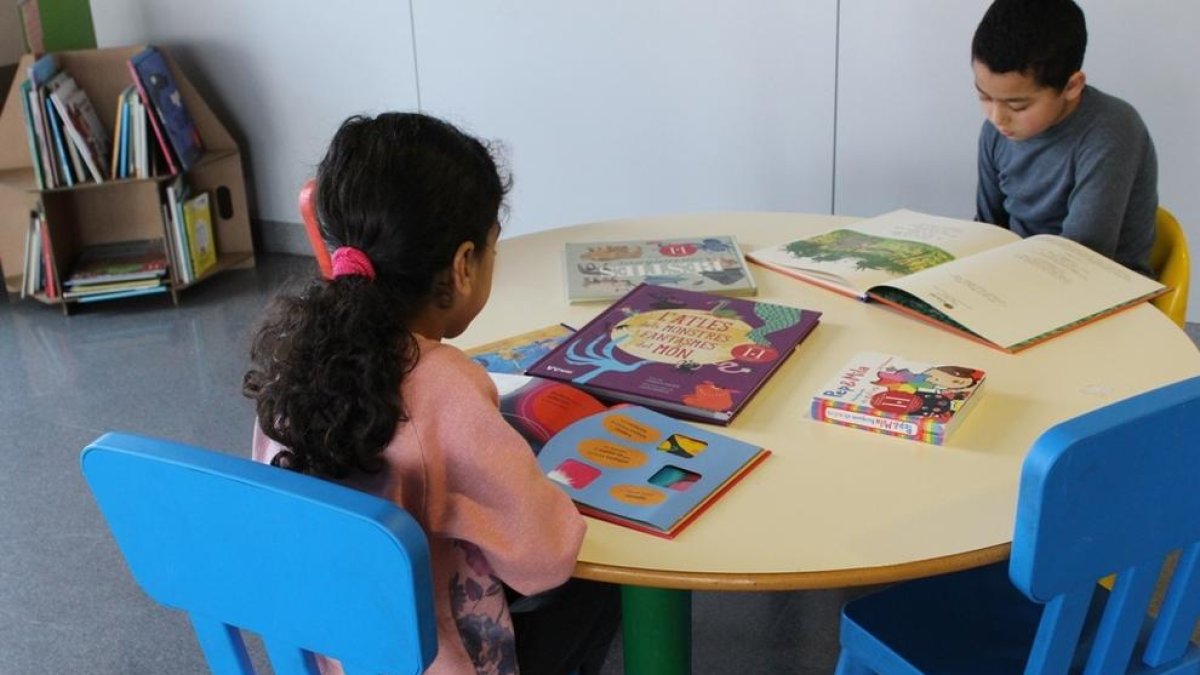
[118,261]
[517,353]
[606,270]
[197,222]
[180,252]
[82,125]
[686,353]
[978,280]
[173,124]
[888,394]
[39,73]
[31,135]
[626,465]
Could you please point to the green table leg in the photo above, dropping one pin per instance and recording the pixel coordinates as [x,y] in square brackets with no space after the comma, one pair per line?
[657,630]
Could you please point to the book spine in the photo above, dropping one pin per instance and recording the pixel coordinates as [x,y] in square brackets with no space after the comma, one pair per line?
[158,133]
[926,431]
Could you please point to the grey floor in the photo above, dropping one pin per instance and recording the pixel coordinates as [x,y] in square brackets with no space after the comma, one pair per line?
[67,604]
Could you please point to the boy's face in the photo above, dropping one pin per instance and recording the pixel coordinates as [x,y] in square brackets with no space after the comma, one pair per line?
[1018,106]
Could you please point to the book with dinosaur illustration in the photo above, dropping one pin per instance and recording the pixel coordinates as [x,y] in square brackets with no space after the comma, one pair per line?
[980,281]
[888,394]
[606,270]
[685,353]
[627,465]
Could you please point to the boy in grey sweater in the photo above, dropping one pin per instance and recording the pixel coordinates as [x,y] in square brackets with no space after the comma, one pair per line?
[1057,156]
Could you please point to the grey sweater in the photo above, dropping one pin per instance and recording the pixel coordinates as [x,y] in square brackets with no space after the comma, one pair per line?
[1093,178]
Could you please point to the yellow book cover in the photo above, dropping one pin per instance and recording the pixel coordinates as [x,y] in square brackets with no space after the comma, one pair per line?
[202,248]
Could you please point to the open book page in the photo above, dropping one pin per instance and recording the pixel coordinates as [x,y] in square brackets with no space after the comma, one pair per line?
[853,258]
[1015,295]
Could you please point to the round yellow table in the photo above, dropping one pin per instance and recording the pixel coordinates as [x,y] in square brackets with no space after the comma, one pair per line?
[834,507]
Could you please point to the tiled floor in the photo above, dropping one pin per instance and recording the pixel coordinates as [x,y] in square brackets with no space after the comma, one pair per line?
[67,604]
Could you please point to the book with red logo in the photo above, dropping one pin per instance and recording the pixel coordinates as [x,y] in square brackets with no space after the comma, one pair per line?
[888,394]
[606,270]
[627,464]
[684,353]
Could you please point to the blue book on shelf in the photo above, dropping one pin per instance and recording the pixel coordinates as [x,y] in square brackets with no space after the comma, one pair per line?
[157,83]
[64,159]
[97,297]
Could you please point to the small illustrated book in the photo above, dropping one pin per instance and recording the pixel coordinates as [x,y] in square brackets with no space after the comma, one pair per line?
[888,394]
[202,248]
[627,465]
[606,270]
[173,124]
[517,353]
[686,353]
[978,280]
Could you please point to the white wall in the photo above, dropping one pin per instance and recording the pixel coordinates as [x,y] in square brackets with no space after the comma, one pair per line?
[618,109]
[633,108]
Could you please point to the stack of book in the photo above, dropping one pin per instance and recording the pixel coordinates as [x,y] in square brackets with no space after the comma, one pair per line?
[152,133]
[39,274]
[187,218]
[118,270]
[67,142]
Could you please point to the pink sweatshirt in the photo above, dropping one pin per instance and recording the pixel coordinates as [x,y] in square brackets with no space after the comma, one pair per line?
[490,514]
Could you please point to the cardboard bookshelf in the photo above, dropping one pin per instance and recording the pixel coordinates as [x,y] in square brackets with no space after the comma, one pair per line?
[115,210]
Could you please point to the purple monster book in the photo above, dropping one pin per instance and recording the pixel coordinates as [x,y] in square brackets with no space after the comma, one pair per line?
[685,353]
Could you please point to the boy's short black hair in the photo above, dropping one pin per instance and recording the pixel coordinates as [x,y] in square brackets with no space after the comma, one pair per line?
[1044,38]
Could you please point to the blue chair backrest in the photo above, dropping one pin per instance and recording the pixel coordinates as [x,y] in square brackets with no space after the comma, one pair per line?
[1113,491]
[309,565]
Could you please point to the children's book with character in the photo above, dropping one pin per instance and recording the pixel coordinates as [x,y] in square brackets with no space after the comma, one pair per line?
[626,465]
[686,353]
[605,270]
[515,354]
[891,395]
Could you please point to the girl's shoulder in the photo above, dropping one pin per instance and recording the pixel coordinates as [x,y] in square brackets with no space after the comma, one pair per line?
[444,364]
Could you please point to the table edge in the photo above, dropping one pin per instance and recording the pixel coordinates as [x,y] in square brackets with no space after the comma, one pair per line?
[782,581]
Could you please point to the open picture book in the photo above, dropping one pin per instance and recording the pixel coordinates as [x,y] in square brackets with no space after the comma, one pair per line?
[976,279]
[626,465]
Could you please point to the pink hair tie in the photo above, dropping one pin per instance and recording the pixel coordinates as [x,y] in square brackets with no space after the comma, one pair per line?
[350,261]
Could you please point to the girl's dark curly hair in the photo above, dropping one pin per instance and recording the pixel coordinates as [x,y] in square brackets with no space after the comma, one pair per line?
[406,189]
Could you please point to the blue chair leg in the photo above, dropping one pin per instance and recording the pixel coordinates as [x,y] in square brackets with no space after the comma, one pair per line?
[848,665]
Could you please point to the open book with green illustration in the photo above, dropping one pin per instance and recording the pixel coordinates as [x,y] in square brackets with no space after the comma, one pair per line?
[976,279]
[627,464]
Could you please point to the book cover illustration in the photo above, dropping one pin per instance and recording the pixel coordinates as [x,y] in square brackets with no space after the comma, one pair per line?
[644,470]
[609,269]
[517,353]
[888,394]
[202,249]
[169,115]
[698,355]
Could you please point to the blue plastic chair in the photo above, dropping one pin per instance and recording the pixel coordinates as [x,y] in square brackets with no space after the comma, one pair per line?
[309,565]
[1114,490]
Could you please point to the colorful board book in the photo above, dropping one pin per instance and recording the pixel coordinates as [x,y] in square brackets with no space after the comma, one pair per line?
[173,124]
[627,465]
[517,353]
[606,270]
[888,394]
[686,353]
[978,280]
